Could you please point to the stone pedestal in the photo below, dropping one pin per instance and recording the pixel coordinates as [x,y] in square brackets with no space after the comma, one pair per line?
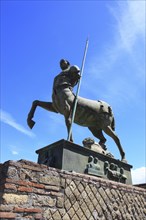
[68,156]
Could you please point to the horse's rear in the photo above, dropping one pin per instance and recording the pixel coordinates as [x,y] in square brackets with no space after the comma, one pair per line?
[91,113]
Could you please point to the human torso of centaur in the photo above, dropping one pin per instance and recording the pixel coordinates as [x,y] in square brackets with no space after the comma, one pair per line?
[87,110]
[62,95]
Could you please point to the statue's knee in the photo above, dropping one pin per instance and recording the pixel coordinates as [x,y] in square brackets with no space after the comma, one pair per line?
[35,102]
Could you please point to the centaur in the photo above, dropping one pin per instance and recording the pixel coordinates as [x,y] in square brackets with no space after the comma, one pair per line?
[94,114]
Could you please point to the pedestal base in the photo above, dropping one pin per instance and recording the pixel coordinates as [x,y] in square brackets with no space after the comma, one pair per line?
[72,157]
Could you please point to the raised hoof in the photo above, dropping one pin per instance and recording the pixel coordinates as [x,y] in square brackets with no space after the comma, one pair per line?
[30,123]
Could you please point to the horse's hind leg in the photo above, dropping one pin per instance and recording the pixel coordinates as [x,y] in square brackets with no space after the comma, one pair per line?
[98,134]
[108,130]
[46,105]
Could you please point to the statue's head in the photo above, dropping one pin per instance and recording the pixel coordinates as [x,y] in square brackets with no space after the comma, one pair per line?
[64,64]
[74,75]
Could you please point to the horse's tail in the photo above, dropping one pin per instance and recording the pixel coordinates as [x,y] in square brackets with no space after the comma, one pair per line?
[113,124]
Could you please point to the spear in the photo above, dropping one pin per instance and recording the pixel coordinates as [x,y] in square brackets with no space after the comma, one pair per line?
[78,89]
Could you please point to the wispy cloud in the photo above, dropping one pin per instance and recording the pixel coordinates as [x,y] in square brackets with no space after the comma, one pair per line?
[121,65]
[6,118]
[129,28]
[139,175]
[130,23]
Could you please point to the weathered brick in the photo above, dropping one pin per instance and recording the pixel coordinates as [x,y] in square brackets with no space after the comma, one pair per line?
[25,189]
[12,163]
[15,199]
[71,212]
[87,213]
[50,180]
[84,195]
[60,202]
[18,209]
[56,215]
[10,186]
[47,213]
[72,186]
[62,212]
[40,200]
[38,216]
[32,167]
[41,191]
[80,187]
[84,207]
[76,206]
[76,193]
[67,204]
[91,207]
[7,215]
[18,182]
[37,185]
[53,188]
[62,182]
[67,191]
[66,217]
[6,208]
[75,217]
[52,193]
[25,183]
[79,213]
[33,210]
[12,173]
[27,217]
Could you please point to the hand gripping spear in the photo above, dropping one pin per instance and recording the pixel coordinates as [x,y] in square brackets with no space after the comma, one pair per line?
[78,89]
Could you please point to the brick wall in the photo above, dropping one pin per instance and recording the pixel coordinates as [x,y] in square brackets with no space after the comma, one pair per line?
[32,191]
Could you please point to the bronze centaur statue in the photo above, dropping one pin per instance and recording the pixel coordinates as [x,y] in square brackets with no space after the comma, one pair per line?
[96,115]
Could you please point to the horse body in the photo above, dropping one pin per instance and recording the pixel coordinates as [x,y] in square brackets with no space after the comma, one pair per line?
[96,115]
[89,113]
[92,113]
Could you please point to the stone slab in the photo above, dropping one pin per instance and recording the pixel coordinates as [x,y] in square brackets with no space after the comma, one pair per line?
[71,157]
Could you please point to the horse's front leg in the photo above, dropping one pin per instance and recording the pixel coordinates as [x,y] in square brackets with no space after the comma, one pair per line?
[30,122]
[46,105]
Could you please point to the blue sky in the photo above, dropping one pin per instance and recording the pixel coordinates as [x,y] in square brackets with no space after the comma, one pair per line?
[35,35]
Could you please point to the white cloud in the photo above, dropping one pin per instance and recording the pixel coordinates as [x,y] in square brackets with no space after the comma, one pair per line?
[139,175]
[130,23]
[122,57]
[8,119]
[14,152]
